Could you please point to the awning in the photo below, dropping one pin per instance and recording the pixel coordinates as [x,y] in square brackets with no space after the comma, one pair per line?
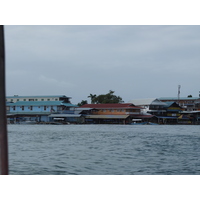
[106,116]
[58,118]
[63,115]
[166,117]
[143,116]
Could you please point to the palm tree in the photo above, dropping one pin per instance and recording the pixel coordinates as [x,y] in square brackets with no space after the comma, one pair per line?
[92,97]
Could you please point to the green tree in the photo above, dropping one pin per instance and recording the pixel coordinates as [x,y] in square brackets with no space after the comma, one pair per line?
[106,98]
[83,102]
[92,97]
[190,95]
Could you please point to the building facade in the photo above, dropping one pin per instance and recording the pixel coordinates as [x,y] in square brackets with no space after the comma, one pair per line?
[111,113]
[187,103]
[37,111]
[17,98]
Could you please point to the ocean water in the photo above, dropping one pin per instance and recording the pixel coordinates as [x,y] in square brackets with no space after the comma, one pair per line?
[104,149]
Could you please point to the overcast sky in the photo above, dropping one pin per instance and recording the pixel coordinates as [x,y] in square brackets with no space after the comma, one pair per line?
[134,61]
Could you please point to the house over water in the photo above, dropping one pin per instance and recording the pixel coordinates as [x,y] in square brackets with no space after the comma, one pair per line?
[111,113]
[147,103]
[188,103]
[38,108]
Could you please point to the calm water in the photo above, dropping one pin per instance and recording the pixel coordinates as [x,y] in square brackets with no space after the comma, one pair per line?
[104,149]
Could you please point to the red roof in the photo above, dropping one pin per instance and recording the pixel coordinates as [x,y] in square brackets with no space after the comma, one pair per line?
[111,105]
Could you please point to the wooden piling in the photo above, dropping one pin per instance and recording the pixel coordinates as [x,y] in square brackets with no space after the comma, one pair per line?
[3,120]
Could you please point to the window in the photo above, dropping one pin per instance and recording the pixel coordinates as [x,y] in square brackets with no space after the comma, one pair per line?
[45,108]
[56,99]
[35,99]
[11,100]
[13,107]
[22,107]
[42,99]
[31,107]
[48,99]
[24,99]
[17,99]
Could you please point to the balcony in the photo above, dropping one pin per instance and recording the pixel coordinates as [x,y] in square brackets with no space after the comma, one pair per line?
[133,113]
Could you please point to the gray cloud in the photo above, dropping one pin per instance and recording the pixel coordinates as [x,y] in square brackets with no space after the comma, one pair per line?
[134,61]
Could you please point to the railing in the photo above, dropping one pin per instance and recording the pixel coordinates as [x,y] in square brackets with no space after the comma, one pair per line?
[133,113]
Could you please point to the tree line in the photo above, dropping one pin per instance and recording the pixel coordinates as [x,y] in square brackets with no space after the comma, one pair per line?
[110,97]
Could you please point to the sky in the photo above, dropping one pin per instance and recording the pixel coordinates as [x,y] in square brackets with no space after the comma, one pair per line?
[135,61]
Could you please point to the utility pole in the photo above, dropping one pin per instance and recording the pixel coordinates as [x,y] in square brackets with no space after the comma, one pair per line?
[3,120]
[179,90]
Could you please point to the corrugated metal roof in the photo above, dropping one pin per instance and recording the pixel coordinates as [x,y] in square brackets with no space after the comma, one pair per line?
[166,117]
[139,102]
[40,103]
[176,98]
[64,115]
[146,102]
[36,96]
[111,105]
[107,116]
[82,109]
[170,103]
[69,105]
[28,113]
[143,116]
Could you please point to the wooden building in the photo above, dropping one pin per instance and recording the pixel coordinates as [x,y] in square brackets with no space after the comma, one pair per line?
[112,113]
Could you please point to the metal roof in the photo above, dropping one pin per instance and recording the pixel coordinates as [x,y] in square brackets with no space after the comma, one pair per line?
[82,109]
[69,105]
[166,117]
[64,115]
[106,116]
[145,102]
[143,116]
[170,103]
[40,103]
[176,98]
[111,105]
[28,113]
[190,112]
[36,96]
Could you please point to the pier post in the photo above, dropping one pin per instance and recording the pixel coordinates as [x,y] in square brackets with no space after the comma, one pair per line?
[3,120]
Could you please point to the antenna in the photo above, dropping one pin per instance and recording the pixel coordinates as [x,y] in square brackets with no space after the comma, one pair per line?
[179,89]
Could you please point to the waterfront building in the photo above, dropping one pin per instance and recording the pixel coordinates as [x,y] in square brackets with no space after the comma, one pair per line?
[17,98]
[166,113]
[111,113]
[37,111]
[147,103]
[188,103]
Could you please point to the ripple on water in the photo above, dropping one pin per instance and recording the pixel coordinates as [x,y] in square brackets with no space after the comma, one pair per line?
[104,149]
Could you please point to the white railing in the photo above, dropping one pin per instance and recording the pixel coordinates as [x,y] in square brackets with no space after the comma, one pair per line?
[133,113]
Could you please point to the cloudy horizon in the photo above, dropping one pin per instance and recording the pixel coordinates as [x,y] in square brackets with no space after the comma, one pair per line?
[134,61]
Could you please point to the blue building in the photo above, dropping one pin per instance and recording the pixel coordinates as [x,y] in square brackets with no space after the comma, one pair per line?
[39,111]
[17,98]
